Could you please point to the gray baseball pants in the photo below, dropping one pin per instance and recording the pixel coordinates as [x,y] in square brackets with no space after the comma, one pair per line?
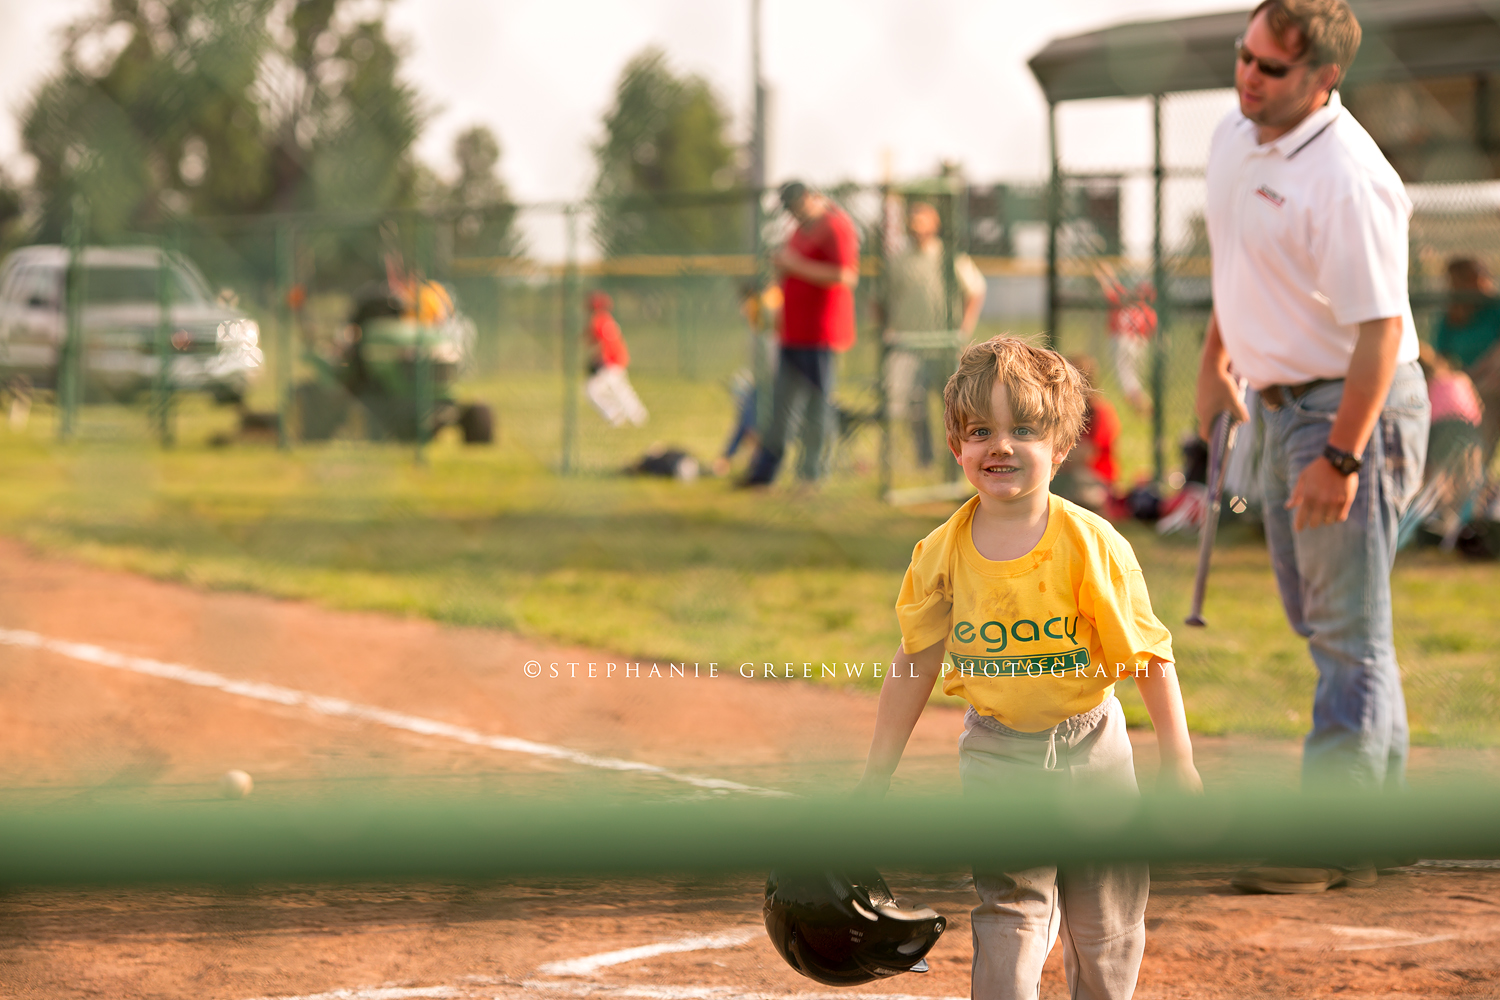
[1098,910]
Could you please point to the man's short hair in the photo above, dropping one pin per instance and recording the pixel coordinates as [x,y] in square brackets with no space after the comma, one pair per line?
[1327,32]
[1466,269]
[1045,391]
[792,193]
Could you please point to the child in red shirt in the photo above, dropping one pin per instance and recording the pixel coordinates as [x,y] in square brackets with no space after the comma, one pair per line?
[608,387]
[1087,476]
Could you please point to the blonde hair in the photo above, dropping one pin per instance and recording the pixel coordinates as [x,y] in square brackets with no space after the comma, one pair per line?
[1045,391]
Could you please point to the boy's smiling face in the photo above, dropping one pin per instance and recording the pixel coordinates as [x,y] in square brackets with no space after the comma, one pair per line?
[1007,462]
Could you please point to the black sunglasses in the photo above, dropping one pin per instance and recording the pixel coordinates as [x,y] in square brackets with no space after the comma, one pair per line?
[1274,70]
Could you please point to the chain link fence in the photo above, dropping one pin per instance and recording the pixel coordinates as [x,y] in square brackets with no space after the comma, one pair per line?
[1121,223]
[688,277]
[327,359]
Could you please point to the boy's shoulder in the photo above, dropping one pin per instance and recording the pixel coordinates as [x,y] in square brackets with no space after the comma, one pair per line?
[942,542]
[956,522]
[1083,528]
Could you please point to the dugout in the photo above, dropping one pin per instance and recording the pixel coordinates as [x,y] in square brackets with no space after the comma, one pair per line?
[1426,85]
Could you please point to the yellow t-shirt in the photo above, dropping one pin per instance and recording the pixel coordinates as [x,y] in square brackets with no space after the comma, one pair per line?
[1034,640]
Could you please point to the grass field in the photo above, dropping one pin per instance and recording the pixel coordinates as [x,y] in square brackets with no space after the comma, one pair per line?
[655,569]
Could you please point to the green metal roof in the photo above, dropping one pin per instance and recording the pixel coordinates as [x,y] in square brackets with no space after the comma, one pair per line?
[1403,39]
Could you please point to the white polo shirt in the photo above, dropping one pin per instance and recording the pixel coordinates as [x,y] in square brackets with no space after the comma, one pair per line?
[1308,235]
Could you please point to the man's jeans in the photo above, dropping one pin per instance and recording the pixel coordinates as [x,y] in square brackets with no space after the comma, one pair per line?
[801,401]
[1335,581]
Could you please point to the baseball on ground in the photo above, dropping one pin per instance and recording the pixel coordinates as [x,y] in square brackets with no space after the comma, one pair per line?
[235,785]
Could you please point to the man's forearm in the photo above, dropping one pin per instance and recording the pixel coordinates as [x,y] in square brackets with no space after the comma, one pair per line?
[1371,371]
[816,271]
[1214,359]
[1217,389]
[972,306]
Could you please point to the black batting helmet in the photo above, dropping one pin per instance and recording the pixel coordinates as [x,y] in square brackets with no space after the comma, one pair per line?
[841,930]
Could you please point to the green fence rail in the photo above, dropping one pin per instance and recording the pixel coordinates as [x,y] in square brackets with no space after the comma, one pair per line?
[489,838]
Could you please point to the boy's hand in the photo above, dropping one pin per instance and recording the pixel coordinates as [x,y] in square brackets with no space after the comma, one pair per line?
[902,698]
[1163,700]
[1180,776]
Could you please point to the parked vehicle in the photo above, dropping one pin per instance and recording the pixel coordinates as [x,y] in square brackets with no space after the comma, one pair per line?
[215,348]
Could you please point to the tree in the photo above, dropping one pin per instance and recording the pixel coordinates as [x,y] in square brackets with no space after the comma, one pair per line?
[663,156]
[151,112]
[354,121]
[486,215]
[165,107]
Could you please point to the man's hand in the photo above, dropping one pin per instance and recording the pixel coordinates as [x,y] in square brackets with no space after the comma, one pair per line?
[1217,389]
[1217,393]
[1322,495]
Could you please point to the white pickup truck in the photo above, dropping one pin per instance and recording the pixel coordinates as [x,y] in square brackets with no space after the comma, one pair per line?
[213,348]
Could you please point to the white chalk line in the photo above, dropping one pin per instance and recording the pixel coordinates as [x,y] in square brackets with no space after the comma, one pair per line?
[700,993]
[538,989]
[1385,937]
[381,993]
[533,989]
[702,942]
[340,708]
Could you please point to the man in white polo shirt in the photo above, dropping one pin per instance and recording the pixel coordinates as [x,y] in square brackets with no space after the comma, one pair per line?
[1308,227]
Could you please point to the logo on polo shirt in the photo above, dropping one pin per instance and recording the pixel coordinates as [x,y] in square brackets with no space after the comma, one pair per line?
[1268,193]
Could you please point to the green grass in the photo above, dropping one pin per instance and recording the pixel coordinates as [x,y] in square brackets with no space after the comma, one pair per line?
[652,569]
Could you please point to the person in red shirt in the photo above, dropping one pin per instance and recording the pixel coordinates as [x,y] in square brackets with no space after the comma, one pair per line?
[819,268]
[1132,324]
[1088,475]
[608,387]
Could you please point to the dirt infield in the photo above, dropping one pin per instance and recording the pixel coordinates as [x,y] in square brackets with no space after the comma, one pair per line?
[72,728]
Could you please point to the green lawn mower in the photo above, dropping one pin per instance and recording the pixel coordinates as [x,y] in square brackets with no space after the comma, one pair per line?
[398,370]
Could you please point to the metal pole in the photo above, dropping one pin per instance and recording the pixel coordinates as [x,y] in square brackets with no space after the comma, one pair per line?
[1159,282]
[684,335]
[422,389]
[757,131]
[70,360]
[1054,220]
[570,334]
[285,278]
[161,394]
[953,228]
[762,370]
[883,291]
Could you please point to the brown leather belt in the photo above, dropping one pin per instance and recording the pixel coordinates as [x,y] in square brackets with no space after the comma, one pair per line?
[1274,397]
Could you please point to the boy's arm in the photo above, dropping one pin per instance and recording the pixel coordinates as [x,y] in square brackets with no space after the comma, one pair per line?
[1163,698]
[902,698]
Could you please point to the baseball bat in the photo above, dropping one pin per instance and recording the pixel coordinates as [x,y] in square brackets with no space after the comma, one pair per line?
[1221,439]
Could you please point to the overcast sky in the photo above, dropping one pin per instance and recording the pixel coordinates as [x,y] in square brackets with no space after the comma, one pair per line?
[925,80]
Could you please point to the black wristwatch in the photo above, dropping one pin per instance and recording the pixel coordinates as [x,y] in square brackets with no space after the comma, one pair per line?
[1346,463]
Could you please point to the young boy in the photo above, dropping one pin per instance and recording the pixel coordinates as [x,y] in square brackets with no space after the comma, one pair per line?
[1041,606]
[608,387]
